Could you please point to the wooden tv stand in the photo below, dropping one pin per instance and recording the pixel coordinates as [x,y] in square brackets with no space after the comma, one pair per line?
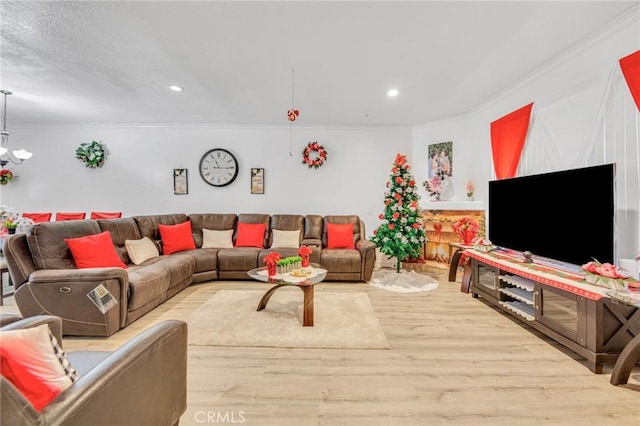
[556,302]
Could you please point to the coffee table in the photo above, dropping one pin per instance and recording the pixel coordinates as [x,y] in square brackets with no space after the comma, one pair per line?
[287,280]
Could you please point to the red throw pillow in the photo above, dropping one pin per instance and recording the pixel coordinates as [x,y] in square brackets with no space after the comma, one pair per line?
[94,251]
[176,237]
[38,393]
[340,235]
[250,234]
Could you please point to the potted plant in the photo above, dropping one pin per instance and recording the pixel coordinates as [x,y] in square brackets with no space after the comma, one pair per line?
[11,225]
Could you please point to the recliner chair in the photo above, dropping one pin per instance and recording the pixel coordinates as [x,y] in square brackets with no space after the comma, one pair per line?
[144,382]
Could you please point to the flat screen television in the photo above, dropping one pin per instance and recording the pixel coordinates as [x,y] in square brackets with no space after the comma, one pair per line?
[567,215]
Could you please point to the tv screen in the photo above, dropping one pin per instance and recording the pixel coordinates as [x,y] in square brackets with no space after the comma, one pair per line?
[567,215]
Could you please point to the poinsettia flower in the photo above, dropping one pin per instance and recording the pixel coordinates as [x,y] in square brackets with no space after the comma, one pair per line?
[391,226]
[305,250]
[380,216]
[395,215]
[398,179]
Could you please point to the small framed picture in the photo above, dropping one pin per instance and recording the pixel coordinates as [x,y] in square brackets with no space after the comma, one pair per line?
[257,181]
[180,182]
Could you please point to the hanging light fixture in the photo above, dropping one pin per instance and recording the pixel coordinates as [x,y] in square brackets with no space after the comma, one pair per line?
[17,156]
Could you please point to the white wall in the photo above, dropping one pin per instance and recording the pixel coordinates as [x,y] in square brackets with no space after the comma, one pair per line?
[568,95]
[137,176]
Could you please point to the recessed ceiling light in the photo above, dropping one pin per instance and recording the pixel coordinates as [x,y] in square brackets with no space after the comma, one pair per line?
[392,92]
[176,88]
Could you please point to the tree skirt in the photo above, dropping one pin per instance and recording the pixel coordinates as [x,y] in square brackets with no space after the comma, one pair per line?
[402,282]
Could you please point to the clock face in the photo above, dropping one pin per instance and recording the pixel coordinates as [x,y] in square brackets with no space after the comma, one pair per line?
[218,167]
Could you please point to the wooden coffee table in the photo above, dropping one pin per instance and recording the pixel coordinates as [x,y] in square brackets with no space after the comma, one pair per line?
[287,280]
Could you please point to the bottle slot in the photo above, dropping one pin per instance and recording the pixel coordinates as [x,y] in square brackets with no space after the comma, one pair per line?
[519,282]
[519,294]
[522,309]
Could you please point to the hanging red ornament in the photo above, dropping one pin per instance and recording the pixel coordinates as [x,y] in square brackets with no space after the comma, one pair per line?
[292,114]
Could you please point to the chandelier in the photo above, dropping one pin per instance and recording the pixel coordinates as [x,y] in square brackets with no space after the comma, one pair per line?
[16,156]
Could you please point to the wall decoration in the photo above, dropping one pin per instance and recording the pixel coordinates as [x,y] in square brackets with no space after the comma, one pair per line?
[314,155]
[257,181]
[180,182]
[440,167]
[92,154]
[219,167]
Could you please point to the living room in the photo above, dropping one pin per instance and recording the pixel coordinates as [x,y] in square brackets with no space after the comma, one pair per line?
[570,90]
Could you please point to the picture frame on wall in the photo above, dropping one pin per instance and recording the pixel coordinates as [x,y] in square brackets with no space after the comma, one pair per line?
[257,181]
[180,182]
[440,159]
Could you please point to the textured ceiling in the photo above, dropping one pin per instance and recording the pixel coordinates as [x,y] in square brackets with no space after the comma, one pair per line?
[112,62]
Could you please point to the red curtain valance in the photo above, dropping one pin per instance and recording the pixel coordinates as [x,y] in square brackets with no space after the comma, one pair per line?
[630,66]
[507,139]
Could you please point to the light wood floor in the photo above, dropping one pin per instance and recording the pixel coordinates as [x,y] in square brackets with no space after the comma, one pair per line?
[453,360]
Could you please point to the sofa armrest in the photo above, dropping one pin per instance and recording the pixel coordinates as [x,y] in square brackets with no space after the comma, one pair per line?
[63,293]
[367,251]
[142,383]
[55,325]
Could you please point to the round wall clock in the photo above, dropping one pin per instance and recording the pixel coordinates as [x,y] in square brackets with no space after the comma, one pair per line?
[218,167]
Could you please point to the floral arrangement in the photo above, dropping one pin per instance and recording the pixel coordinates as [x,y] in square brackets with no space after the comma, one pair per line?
[6,176]
[401,234]
[319,155]
[471,188]
[467,228]
[608,275]
[272,257]
[271,260]
[10,220]
[304,252]
[92,154]
[434,186]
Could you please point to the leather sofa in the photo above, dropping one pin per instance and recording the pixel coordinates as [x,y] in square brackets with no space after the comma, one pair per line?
[144,382]
[48,282]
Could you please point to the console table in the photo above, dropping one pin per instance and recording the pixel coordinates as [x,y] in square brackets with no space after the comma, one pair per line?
[554,299]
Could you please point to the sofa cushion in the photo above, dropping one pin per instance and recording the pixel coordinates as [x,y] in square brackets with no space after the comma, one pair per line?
[176,238]
[206,259]
[147,282]
[250,234]
[341,260]
[212,221]
[121,230]
[32,360]
[94,251]
[340,236]
[141,250]
[47,244]
[285,239]
[212,238]
[238,259]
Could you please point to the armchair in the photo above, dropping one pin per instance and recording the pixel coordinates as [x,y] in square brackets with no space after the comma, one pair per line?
[144,382]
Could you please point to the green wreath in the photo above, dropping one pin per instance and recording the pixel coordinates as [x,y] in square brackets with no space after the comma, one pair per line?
[92,154]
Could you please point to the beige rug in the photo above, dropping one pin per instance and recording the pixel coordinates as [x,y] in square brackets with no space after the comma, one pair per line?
[341,321]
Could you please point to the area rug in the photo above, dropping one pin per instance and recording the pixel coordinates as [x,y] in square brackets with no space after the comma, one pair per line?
[341,321]
[402,282]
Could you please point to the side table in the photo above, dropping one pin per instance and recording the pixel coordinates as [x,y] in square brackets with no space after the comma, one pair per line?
[455,259]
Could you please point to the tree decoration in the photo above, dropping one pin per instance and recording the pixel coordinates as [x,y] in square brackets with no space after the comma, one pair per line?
[401,234]
[314,155]
[92,154]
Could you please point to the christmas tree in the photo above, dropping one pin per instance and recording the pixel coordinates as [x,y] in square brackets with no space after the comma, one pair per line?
[401,234]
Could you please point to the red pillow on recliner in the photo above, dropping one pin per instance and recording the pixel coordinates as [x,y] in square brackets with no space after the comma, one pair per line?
[176,237]
[340,235]
[94,251]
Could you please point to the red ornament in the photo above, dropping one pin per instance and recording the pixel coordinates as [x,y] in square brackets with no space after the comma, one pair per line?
[292,114]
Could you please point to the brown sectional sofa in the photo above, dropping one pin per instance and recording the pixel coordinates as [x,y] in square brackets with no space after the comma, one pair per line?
[48,282]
